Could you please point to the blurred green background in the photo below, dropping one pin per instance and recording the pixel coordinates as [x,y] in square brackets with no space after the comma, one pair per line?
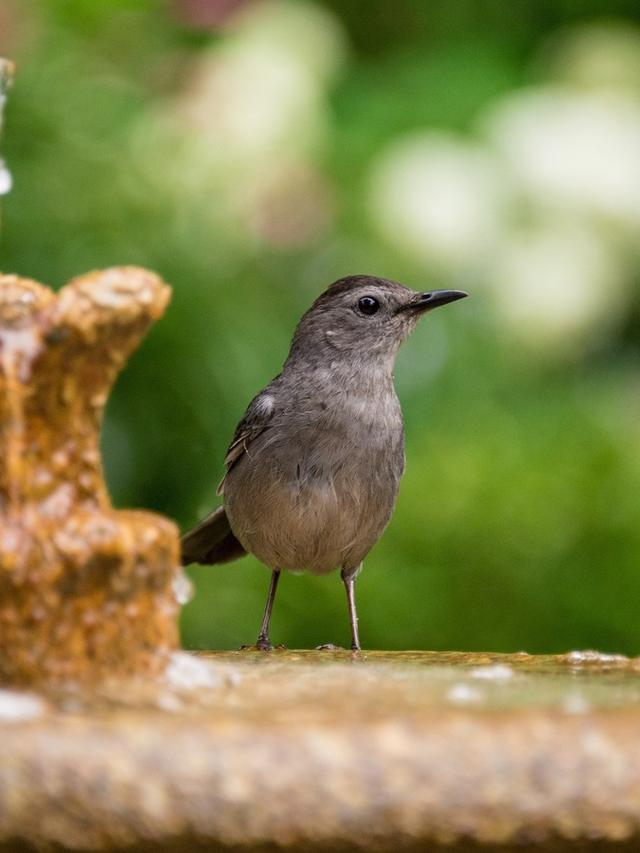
[253,152]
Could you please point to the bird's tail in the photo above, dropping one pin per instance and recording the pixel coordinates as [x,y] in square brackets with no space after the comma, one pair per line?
[211,541]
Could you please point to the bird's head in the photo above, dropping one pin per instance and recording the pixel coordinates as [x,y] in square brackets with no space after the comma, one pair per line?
[367,315]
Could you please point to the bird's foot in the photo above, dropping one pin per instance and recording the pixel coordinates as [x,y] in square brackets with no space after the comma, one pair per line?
[262,644]
[329,647]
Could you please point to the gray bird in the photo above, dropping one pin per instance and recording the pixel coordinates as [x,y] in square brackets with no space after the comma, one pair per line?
[313,470]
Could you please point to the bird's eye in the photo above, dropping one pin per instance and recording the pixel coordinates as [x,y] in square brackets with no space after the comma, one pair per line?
[368,305]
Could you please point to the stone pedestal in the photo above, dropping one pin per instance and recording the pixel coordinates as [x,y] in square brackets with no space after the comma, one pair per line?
[84,590]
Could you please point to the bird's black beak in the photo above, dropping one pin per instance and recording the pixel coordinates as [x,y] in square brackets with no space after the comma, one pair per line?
[433,299]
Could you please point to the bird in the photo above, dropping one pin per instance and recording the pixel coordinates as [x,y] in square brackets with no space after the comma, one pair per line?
[314,466]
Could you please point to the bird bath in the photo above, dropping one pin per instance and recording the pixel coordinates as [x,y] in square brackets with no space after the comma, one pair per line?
[114,740]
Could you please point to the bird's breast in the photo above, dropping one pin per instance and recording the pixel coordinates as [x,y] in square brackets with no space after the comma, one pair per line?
[316,493]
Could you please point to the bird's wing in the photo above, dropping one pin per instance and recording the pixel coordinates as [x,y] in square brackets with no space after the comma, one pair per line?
[255,421]
[212,540]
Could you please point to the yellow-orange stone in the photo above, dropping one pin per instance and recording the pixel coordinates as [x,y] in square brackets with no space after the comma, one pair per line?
[85,590]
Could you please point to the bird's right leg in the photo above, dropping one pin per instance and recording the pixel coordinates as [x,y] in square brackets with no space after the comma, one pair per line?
[349,579]
[263,641]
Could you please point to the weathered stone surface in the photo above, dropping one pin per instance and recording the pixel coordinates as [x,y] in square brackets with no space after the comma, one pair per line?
[324,750]
[84,590]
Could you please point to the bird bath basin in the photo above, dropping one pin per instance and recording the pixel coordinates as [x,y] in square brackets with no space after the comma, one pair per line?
[330,750]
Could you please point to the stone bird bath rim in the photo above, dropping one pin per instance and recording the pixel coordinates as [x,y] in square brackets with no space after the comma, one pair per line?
[85,590]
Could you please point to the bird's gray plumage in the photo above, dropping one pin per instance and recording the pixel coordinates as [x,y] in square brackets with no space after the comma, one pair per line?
[314,467]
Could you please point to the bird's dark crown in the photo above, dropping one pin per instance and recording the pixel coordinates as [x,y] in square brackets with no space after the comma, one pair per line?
[356,282]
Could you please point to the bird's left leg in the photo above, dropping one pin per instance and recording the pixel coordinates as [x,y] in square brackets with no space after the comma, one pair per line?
[349,580]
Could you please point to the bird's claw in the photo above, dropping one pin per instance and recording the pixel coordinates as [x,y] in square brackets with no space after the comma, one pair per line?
[262,645]
[329,647]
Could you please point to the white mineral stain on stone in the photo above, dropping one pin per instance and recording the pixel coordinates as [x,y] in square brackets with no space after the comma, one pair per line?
[591,656]
[465,694]
[19,349]
[187,672]
[17,707]
[494,672]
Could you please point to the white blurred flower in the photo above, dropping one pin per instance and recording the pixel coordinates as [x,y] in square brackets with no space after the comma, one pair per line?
[263,90]
[573,153]
[596,55]
[439,198]
[559,288]
[313,34]
[246,101]
[242,139]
